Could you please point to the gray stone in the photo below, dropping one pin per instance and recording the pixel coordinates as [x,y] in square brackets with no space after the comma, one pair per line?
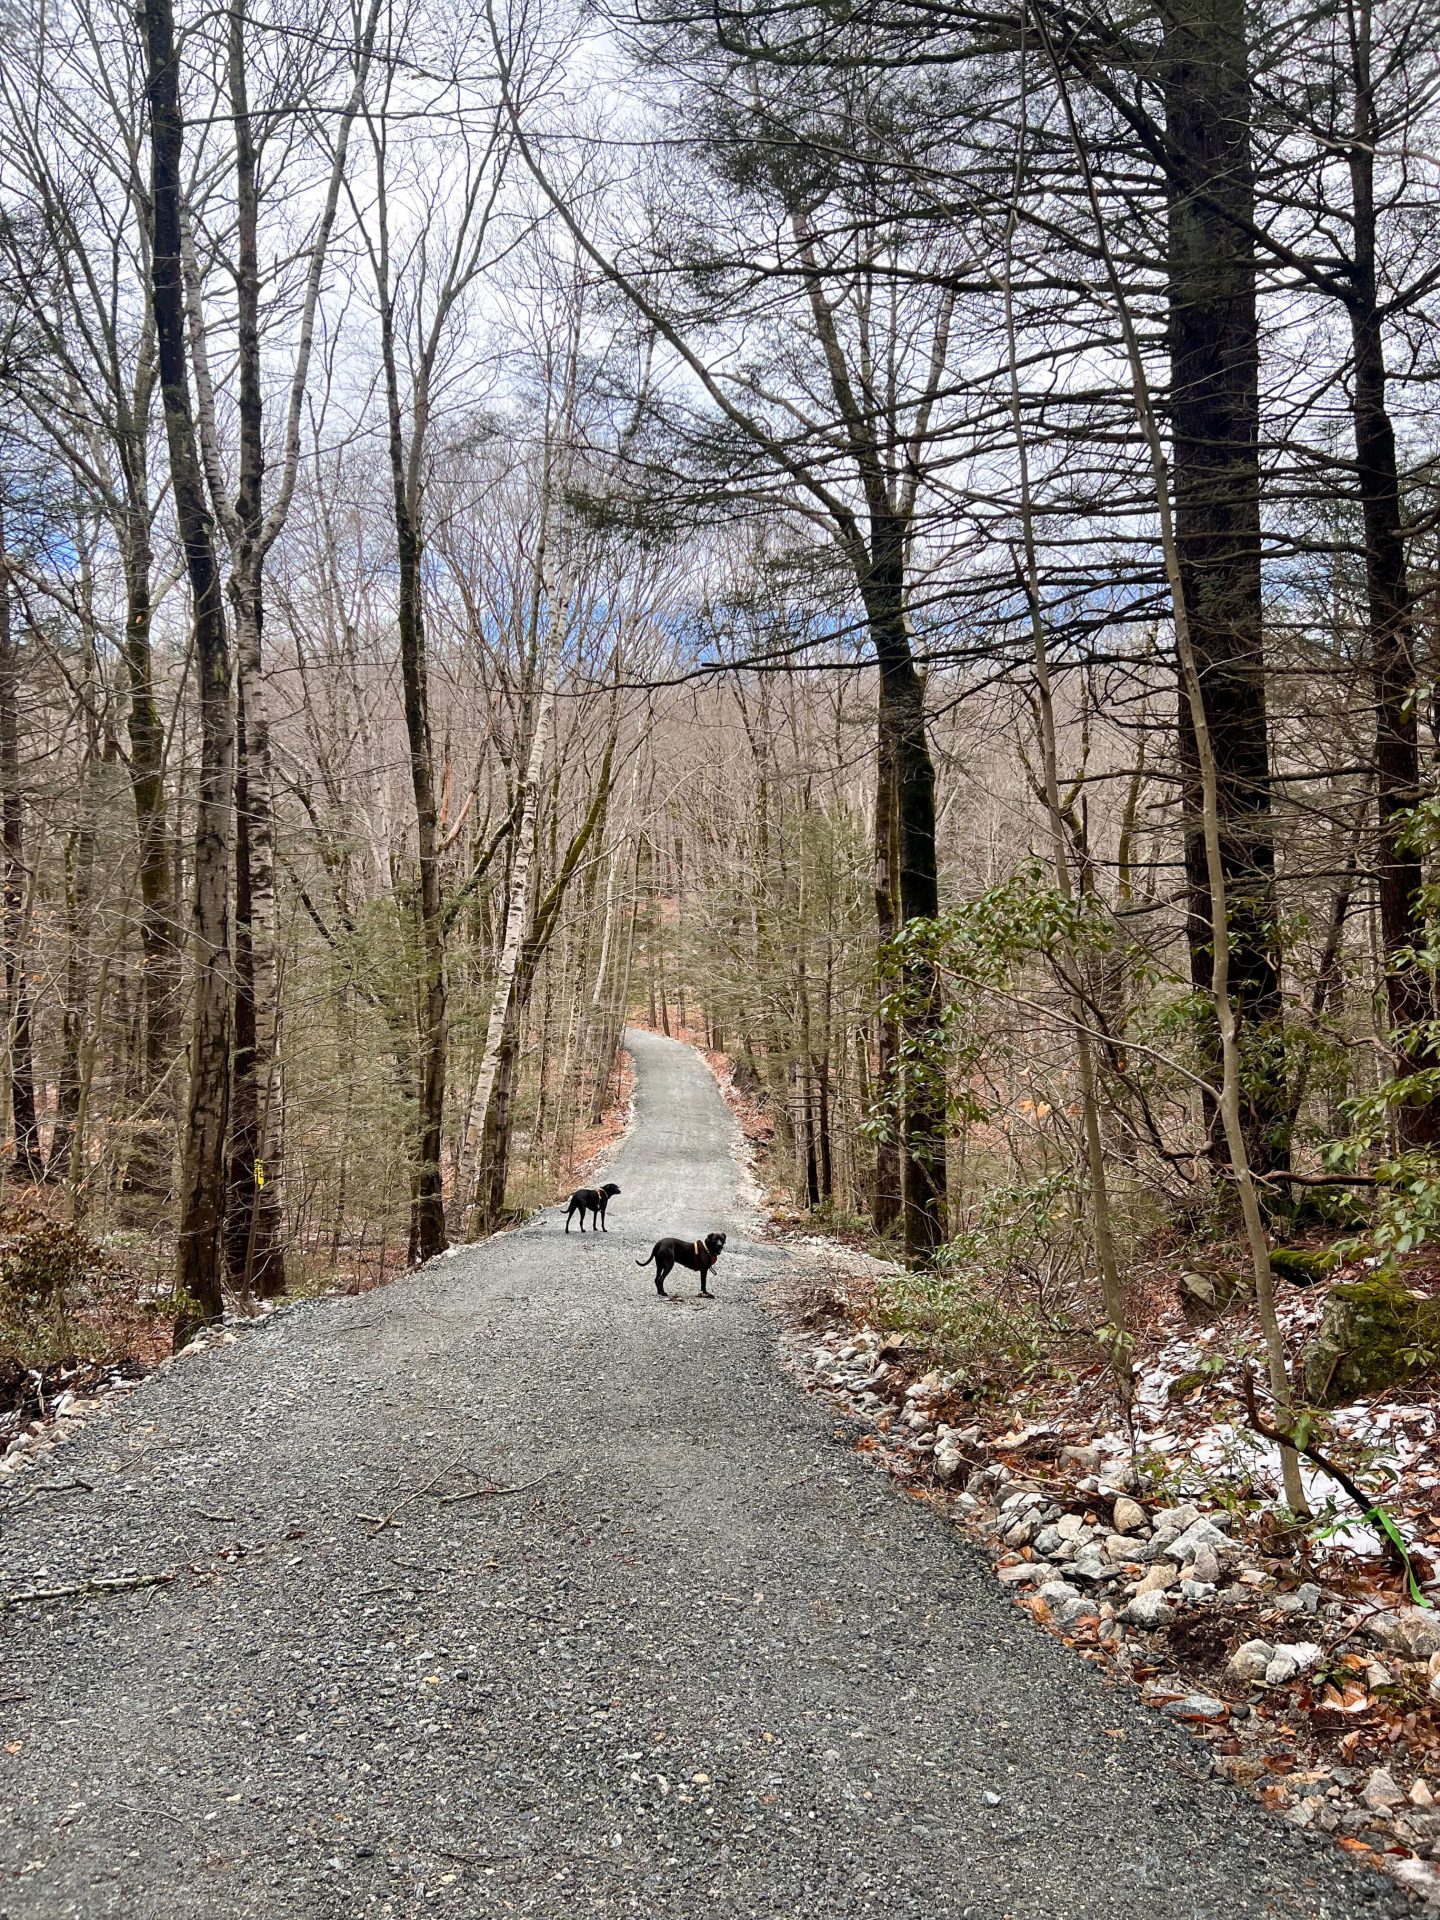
[1305,1599]
[1200,1533]
[1048,1541]
[1412,1631]
[1022,1574]
[1070,1526]
[1171,1522]
[1148,1610]
[1196,1706]
[1205,1566]
[1158,1578]
[1079,1459]
[1065,1603]
[947,1463]
[1381,1791]
[1194,1591]
[1374,1335]
[1129,1516]
[1248,1662]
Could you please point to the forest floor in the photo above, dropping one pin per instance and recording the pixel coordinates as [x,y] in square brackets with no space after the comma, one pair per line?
[512,1588]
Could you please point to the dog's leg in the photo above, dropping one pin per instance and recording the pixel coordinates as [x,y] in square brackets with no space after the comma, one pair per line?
[660,1273]
[569,1216]
[704,1274]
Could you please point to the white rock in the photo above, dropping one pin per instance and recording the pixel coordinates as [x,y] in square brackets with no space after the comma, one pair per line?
[1158,1578]
[1248,1663]
[1129,1516]
[1118,1548]
[1070,1525]
[1415,1876]
[1290,1657]
[947,1462]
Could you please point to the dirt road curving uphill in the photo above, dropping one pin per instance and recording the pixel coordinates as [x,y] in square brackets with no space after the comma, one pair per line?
[705,1663]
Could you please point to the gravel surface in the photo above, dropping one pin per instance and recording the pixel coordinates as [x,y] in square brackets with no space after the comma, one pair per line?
[707,1662]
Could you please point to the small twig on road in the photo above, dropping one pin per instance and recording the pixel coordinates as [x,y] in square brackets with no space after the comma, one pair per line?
[99,1584]
[54,1486]
[379,1521]
[493,1493]
[220,1519]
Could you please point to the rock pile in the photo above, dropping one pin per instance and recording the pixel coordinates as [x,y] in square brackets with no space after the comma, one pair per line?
[1080,1548]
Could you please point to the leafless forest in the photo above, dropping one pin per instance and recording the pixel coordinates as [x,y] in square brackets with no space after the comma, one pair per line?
[897,541]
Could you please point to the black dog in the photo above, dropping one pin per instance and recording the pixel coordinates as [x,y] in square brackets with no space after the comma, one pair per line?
[699,1255]
[591,1200]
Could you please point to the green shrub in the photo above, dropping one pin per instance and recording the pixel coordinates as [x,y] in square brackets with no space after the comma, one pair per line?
[974,1329]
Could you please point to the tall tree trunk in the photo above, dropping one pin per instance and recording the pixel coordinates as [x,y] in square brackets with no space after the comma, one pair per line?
[150,1155]
[29,1160]
[80,959]
[903,741]
[484,1202]
[1215,465]
[202,1197]
[885,1202]
[427,1203]
[255,1237]
[1391,620]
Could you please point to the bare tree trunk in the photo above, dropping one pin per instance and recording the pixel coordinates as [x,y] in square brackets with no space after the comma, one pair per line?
[885,1203]
[149,1160]
[255,1231]
[202,1196]
[902,739]
[1231,1104]
[66,1144]
[480,1208]
[29,1160]
[1214,420]
[1392,624]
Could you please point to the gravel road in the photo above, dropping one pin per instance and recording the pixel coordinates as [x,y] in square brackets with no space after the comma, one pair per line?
[705,1662]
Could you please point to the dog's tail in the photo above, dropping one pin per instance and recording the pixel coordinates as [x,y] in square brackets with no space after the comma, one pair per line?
[648,1258]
